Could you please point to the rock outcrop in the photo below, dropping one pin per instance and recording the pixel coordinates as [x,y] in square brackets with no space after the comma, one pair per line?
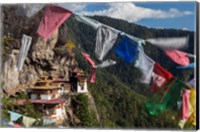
[45,57]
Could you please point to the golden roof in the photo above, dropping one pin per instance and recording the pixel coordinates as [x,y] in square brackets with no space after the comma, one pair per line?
[44,87]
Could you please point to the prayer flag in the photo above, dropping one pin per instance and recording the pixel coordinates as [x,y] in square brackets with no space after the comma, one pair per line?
[192,117]
[160,78]
[53,18]
[174,93]
[139,41]
[14,116]
[89,60]
[170,43]
[146,65]
[105,40]
[178,57]
[48,122]
[26,43]
[106,63]
[192,83]
[11,124]
[127,50]
[191,56]
[93,75]
[93,69]
[4,122]
[186,104]
[188,108]
[154,104]
[190,66]
[28,121]
[181,123]
[86,20]
[17,125]
[157,103]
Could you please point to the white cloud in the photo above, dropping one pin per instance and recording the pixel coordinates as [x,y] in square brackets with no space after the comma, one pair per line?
[133,13]
[75,7]
[185,29]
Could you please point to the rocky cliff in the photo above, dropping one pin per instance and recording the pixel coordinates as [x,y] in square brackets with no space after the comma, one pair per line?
[44,57]
[49,57]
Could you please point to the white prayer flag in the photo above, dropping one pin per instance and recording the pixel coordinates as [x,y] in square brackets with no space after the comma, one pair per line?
[106,63]
[146,65]
[26,43]
[170,43]
[28,121]
[105,40]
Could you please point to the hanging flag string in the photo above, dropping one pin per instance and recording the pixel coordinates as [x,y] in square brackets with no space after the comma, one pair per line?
[136,39]
[167,43]
[181,42]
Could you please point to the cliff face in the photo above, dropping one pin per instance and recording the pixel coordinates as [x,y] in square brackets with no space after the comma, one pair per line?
[44,57]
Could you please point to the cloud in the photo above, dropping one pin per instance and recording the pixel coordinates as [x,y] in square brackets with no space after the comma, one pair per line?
[185,29]
[133,13]
[74,7]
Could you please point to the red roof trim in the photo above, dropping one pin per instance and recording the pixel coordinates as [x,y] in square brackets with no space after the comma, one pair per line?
[52,101]
[81,76]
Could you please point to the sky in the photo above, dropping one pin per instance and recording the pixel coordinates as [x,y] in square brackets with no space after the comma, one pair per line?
[177,15]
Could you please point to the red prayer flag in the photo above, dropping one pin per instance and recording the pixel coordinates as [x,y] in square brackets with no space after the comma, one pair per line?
[54,16]
[185,104]
[90,61]
[93,69]
[160,78]
[93,75]
[17,125]
[178,57]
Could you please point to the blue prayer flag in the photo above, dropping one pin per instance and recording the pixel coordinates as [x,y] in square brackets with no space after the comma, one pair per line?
[127,50]
[190,66]
[14,116]
[5,123]
[192,83]
[48,122]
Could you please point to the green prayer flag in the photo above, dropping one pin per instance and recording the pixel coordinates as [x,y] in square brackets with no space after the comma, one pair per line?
[166,97]
[174,93]
[154,104]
